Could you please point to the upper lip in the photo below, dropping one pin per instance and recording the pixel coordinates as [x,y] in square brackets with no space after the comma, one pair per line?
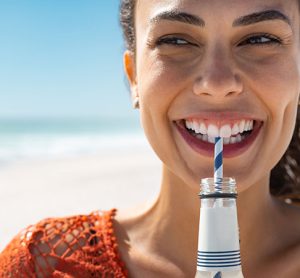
[221,116]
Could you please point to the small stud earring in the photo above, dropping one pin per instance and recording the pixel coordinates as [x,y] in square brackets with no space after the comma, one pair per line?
[136,103]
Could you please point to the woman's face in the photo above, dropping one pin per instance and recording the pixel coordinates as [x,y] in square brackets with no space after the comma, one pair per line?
[204,68]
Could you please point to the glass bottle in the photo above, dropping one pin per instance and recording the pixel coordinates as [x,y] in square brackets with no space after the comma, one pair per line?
[218,242]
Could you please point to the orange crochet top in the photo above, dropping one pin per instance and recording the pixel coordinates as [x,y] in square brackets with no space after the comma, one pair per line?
[79,246]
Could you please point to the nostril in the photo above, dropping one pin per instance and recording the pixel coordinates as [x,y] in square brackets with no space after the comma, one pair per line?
[218,85]
[231,93]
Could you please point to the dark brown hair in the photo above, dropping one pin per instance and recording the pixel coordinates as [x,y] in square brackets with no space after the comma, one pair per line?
[127,9]
[285,176]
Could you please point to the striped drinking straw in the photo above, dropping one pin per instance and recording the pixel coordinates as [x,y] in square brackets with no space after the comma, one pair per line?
[218,159]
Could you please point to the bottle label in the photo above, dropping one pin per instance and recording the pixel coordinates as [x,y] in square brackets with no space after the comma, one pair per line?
[218,244]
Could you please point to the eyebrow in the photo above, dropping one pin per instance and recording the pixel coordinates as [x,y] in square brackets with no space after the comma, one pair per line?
[253,18]
[178,16]
[259,17]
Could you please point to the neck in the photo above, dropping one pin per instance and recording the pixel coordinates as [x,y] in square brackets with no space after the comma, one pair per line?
[174,218]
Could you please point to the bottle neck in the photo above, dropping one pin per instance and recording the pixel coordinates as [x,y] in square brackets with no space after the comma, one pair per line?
[218,188]
[219,202]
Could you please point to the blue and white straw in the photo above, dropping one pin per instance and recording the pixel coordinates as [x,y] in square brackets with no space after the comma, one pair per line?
[218,173]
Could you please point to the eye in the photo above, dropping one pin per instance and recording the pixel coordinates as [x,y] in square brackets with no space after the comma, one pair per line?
[261,40]
[176,41]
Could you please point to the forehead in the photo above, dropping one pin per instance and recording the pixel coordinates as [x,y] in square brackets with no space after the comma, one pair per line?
[215,10]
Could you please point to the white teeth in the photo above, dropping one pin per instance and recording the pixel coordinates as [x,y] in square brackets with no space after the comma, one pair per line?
[248,125]
[211,139]
[232,140]
[225,131]
[196,126]
[235,129]
[226,141]
[203,129]
[213,131]
[242,126]
[251,125]
[238,138]
[199,136]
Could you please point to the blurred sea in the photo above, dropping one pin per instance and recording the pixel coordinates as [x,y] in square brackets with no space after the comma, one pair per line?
[47,138]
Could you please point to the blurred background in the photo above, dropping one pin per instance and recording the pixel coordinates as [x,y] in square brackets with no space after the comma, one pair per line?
[61,77]
[69,140]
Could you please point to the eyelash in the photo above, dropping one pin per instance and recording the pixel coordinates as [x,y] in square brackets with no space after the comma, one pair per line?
[270,40]
[175,40]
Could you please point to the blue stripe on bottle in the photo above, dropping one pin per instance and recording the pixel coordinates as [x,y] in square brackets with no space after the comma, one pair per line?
[218,259]
[219,252]
[222,256]
[218,256]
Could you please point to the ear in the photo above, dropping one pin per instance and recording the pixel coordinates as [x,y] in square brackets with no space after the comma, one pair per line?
[129,67]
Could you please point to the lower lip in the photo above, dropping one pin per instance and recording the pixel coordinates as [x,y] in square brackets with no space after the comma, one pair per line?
[229,150]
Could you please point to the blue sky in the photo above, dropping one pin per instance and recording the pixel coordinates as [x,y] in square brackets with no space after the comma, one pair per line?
[61,58]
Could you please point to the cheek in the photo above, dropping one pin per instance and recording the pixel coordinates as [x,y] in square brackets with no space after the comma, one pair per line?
[159,84]
[160,77]
[275,82]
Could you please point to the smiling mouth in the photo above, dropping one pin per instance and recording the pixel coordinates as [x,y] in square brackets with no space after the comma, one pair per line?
[231,133]
[237,135]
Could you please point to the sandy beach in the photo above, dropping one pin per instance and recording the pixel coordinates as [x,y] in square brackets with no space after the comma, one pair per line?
[35,189]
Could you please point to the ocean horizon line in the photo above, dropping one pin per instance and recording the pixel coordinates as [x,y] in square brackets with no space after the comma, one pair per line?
[27,138]
[105,124]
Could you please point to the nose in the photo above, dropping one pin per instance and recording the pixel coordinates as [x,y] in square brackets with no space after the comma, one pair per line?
[217,76]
